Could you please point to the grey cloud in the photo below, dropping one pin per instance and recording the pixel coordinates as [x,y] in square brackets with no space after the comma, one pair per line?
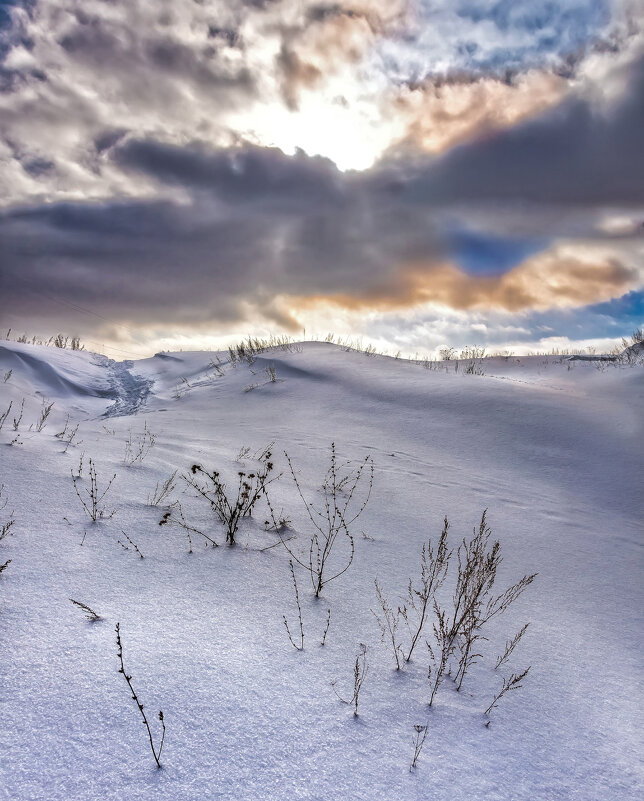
[259,224]
[581,152]
[245,175]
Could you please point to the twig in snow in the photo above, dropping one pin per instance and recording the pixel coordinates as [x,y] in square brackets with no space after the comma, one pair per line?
[133,544]
[418,741]
[326,628]
[513,683]
[89,613]
[510,645]
[156,753]
[299,647]
[359,675]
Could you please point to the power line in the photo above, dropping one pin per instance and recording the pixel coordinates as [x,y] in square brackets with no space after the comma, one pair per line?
[75,306]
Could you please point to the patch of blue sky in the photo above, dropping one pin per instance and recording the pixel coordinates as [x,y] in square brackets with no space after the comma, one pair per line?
[10,30]
[479,253]
[609,320]
[494,36]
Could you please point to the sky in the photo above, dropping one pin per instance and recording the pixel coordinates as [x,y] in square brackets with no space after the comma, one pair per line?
[409,173]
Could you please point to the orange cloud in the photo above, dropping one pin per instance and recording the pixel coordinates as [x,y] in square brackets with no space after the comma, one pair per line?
[556,279]
[443,112]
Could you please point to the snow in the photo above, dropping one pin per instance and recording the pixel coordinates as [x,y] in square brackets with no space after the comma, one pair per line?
[551,447]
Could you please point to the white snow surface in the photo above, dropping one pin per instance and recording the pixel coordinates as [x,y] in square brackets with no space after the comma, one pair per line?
[552,449]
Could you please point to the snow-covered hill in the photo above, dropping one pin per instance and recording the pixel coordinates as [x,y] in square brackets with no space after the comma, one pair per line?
[552,448]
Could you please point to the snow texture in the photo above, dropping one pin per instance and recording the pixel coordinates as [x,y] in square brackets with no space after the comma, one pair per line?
[551,447]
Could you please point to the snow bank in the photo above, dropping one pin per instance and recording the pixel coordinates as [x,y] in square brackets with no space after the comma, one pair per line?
[553,451]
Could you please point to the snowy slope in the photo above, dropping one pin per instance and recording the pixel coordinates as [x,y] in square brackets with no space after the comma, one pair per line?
[552,448]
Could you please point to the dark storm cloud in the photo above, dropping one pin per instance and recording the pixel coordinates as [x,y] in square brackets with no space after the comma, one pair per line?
[248,225]
[260,224]
[248,175]
[581,152]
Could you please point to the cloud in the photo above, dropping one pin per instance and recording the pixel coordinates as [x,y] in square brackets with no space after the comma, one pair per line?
[442,112]
[130,189]
[582,152]
[558,278]
[260,235]
[329,36]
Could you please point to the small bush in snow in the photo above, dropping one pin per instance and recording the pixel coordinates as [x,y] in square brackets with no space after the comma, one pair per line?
[17,420]
[44,414]
[4,415]
[92,498]
[232,508]
[474,603]
[360,669]
[68,435]
[162,491]
[342,505]
[138,446]
[418,602]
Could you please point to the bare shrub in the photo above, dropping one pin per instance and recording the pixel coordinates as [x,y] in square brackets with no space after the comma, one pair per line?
[93,498]
[342,505]
[388,623]
[44,414]
[7,375]
[163,490]
[68,434]
[9,522]
[232,508]
[138,446]
[445,645]
[360,669]
[17,420]
[473,605]
[419,600]
[248,350]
